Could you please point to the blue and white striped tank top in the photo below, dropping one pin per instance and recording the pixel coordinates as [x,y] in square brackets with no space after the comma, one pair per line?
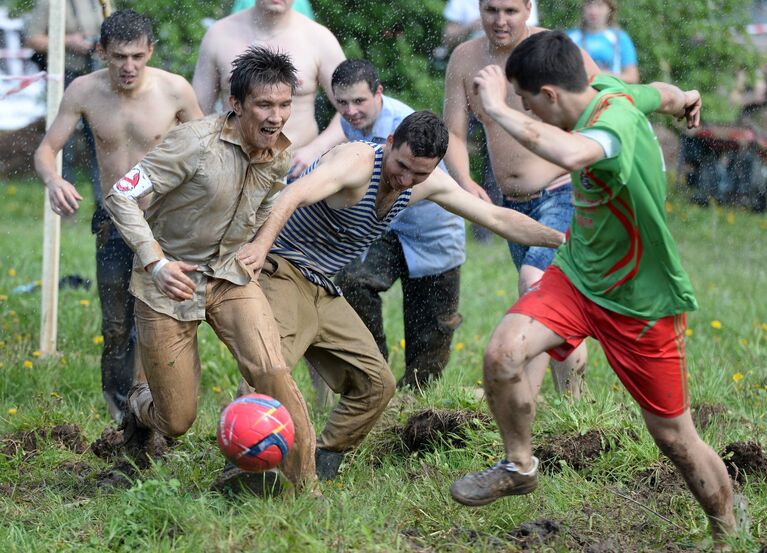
[320,240]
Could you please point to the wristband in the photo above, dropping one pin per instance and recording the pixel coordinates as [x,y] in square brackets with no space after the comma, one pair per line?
[159,265]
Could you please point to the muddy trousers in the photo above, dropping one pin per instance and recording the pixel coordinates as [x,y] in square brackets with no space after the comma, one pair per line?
[114,260]
[243,321]
[324,328]
[430,307]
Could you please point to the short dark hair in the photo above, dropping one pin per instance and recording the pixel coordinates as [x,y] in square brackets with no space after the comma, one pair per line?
[547,58]
[351,72]
[424,132]
[126,26]
[259,66]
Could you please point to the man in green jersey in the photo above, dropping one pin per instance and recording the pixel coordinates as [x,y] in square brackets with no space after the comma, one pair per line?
[618,278]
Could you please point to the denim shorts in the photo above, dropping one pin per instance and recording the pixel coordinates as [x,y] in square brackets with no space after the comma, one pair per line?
[553,209]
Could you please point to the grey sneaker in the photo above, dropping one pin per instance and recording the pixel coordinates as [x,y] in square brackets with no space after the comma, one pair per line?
[233,480]
[502,479]
[328,462]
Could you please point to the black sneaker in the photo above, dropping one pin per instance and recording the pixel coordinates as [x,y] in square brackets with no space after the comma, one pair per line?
[502,479]
[235,480]
[328,462]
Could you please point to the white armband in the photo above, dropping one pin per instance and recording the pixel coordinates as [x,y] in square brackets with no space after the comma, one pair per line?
[610,143]
[159,265]
[134,184]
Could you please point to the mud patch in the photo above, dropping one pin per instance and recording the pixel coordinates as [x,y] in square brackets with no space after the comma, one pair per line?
[577,450]
[119,475]
[436,427]
[705,413]
[662,478]
[534,534]
[76,468]
[745,459]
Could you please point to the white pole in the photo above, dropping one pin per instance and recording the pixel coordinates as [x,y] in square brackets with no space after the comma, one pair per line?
[52,237]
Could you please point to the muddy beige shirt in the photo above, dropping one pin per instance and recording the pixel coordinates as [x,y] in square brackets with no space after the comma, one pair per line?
[209,197]
[83,16]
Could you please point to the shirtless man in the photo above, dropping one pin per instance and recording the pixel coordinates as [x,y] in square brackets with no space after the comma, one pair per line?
[529,184]
[313,49]
[130,107]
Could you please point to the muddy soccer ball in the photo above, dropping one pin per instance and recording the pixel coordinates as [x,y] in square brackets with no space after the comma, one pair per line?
[255,432]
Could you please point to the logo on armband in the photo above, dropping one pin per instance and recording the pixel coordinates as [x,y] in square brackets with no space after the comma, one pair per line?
[134,183]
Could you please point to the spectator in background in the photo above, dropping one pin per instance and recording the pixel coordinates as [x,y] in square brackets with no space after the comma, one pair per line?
[301,6]
[462,21]
[81,33]
[609,46]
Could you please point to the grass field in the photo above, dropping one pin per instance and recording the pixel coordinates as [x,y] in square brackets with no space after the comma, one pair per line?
[604,487]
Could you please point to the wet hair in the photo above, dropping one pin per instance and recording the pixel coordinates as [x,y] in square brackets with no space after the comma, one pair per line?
[261,66]
[547,58]
[424,132]
[126,26]
[612,17]
[351,72]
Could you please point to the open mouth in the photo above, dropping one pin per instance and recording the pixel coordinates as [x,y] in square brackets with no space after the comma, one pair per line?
[270,130]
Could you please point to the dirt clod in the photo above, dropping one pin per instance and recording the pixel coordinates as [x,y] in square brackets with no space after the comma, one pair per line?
[745,459]
[117,476]
[70,436]
[434,427]
[577,450]
[534,534]
[109,445]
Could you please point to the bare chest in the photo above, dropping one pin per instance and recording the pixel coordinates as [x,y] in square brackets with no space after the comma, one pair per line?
[134,124]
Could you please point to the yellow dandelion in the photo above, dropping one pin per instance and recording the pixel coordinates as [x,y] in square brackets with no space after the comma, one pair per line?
[18,337]
[55,395]
[737,377]
[689,332]
[744,342]
[12,411]
[3,297]
[2,365]
[459,346]
[669,207]
[28,364]
[500,293]
[98,340]
[477,337]
[730,218]
[2,344]
[478,383]
[716,324]
[11,313]
[37,353]
[11,272]
[402,343]
[764,327]
[216,389]
[85,303]
[12,190]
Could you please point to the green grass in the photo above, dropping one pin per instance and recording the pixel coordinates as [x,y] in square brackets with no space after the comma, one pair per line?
[384,500]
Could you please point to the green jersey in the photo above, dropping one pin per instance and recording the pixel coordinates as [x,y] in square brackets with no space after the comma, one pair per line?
[620,253]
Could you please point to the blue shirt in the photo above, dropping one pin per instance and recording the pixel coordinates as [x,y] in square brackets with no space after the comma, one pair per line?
[433,239]
[611,49]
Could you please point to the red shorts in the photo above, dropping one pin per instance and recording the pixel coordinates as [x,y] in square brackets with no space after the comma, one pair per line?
[647,356]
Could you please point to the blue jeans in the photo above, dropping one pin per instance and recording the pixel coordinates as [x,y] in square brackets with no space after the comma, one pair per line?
[553,209]
[114,261]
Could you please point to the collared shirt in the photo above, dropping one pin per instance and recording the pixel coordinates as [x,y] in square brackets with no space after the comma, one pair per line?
[433,239]
[83,16]
[210,196]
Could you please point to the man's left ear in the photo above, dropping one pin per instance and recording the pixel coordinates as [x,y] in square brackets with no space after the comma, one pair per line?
[390,140]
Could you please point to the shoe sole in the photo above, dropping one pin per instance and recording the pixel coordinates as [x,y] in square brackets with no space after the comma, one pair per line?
[470,502]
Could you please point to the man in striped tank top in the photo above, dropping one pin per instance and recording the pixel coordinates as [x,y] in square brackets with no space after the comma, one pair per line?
[326,219]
